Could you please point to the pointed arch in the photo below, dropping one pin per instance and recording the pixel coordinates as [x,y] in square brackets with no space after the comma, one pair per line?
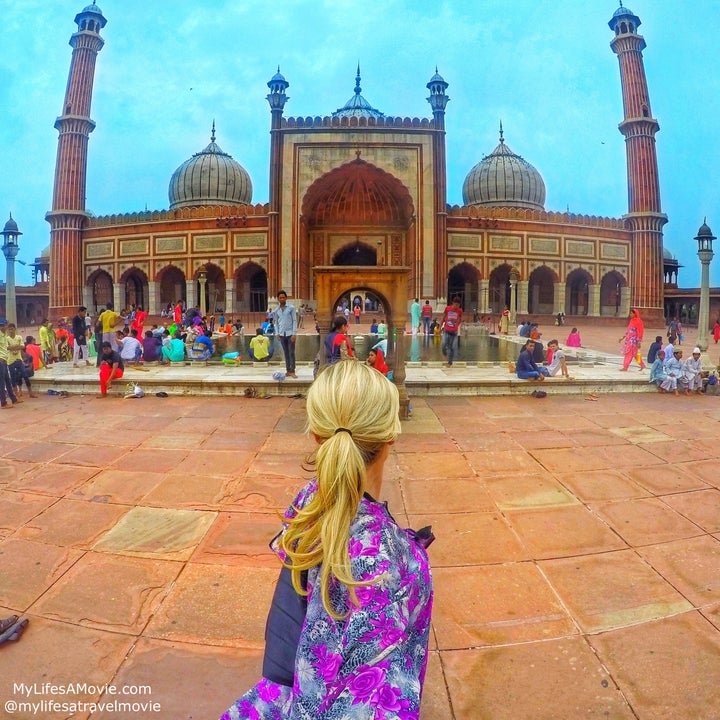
[171,282]
[577,293]
[462,282]
[611,293]
[100,286]
[251,288]
[541,290]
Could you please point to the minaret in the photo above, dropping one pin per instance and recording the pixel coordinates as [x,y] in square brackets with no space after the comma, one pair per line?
[639,127]
[438,102]
[277,99]
[74,125]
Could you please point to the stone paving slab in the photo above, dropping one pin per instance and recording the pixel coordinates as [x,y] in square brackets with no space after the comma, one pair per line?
[577,577]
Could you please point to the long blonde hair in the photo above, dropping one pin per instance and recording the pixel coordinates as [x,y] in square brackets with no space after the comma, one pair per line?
[353,411]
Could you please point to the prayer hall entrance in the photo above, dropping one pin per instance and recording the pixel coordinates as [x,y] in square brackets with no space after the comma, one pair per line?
[389,284]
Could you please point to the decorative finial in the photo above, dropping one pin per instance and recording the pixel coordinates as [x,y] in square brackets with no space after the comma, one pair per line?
[212,135]
[278,68]
[357,154]
[358,89]
[621,3]
[502,141]
[436,70]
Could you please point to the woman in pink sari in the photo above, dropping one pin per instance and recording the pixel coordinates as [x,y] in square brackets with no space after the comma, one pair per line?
[631,340]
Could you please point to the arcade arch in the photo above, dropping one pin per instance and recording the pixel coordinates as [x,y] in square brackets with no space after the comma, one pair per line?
[499,288]
[251,288]
[214,287]
[135,288]
[463,281]
[172,285]
[577,293]
[100,285]
[541,291]
[611,294]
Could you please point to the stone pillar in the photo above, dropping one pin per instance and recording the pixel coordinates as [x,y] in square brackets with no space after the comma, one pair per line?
[558,297]
[624,301]
[202,282]
[513,304]
[594,300]
[229,299]
[190,293]
[118,299]
[523,297]
[152,298]
[484,300]
[88,300]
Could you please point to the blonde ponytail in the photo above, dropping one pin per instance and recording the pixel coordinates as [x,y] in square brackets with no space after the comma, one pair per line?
[353,411]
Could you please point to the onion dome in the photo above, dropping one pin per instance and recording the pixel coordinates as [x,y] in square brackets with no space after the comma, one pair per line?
[92,9]
[703,231]
[627,15]
[504,179]
[357,105]
[210,177]
[11,227]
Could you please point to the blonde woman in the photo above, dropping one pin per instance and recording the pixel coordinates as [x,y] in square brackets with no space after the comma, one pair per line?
[347,632]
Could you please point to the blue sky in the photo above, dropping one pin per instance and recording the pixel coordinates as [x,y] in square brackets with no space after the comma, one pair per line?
[543,67]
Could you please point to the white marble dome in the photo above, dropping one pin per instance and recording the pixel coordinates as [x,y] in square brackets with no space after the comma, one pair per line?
[210,177]
[504,179]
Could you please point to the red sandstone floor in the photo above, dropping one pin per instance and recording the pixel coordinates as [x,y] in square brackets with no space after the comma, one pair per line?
[576,567]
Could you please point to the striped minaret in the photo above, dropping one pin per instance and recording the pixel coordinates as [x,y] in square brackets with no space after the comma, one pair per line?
[639,127]
[68,216]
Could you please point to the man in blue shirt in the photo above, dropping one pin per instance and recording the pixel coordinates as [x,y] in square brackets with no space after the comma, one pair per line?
[202,348]
[526,367]
[285,318]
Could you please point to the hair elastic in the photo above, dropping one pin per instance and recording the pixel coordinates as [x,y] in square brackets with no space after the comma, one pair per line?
[342,429]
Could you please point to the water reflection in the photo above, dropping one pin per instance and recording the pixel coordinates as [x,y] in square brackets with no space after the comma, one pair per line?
[419,348]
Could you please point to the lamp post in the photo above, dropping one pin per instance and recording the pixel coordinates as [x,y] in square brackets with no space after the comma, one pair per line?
[10,249]
[705,254]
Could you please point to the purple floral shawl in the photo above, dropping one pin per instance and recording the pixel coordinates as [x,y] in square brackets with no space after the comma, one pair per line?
[371,665]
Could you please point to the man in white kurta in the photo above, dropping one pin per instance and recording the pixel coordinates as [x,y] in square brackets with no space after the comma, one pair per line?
[693,372]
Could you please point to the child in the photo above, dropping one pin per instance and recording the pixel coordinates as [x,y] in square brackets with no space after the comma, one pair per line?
[260,347]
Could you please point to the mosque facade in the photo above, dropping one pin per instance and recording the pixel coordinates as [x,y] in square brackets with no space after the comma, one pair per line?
[358,189]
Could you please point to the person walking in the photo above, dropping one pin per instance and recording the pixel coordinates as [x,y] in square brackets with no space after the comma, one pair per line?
[348,627]
[285,321]
[452,317]
[631,340]
[80,337]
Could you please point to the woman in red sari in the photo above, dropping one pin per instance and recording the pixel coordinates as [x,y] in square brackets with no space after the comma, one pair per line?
[138,321]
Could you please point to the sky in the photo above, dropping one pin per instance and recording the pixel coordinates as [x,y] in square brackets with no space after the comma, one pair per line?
[542,67]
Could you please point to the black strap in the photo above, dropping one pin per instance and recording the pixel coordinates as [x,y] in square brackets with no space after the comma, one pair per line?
[282,631]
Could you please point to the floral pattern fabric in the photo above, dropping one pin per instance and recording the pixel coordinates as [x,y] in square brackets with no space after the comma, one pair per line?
[371,665]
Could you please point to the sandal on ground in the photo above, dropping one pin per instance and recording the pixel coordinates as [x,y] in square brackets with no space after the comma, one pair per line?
[7,622]
[13,633]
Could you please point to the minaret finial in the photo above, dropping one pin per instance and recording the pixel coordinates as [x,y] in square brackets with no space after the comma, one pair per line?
[212,134]
[502,141]
[358,89]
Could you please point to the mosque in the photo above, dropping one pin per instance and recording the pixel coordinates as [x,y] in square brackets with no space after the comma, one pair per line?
[358,204]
